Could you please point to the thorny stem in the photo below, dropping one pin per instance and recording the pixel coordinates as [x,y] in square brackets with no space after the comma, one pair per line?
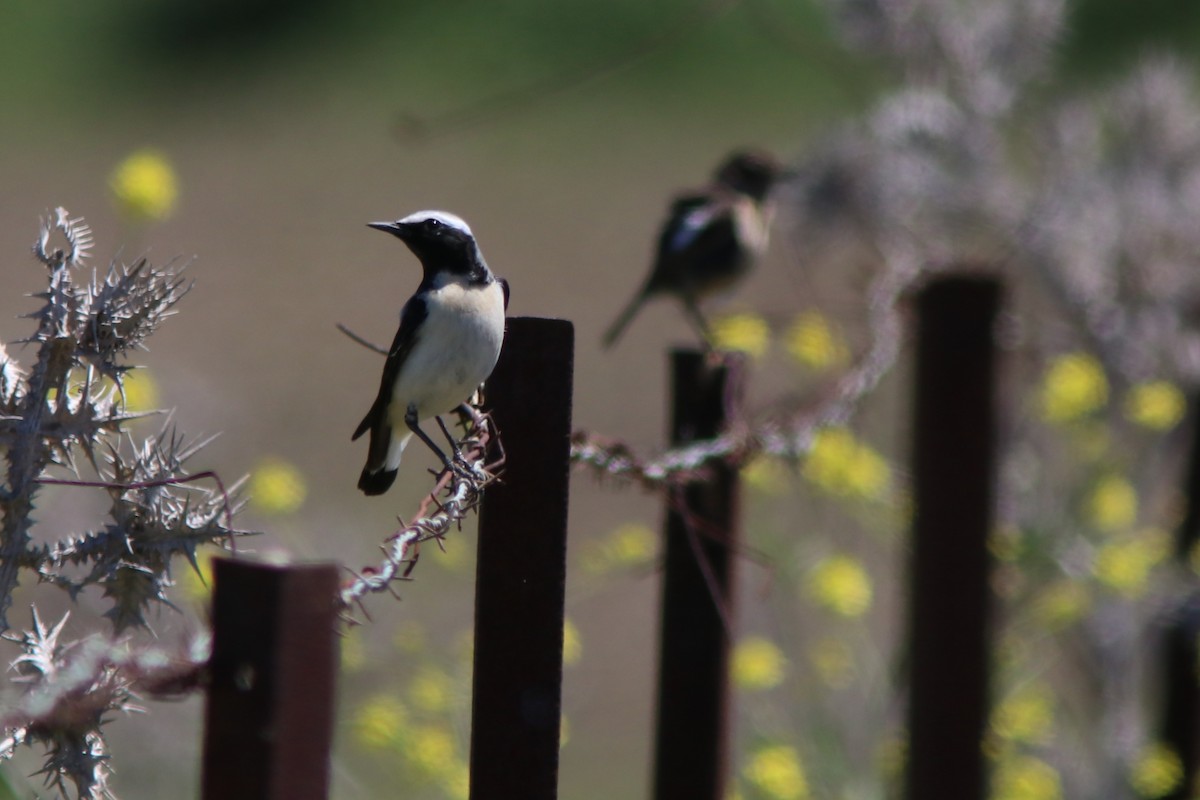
[27,456]
[226,505]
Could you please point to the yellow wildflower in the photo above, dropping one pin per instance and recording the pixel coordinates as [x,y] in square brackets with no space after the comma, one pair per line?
[572,643]
[743,333]
[841,584]
[380,722]
[628,545]
[1026,778]
[431,750]
[758,664]
[1025,716]
[631,544]
[1124,566]
[1112,504]
[140,391]
[1157,405]
[814,343]
[840,465]
[777,773]
[431,690]
[144,186]
[276,486]
[1157,771]
[1074,386]
[1062,603]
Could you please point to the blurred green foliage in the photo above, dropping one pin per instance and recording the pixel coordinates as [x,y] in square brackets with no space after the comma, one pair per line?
[1105,36]
[425,57]
[413,50]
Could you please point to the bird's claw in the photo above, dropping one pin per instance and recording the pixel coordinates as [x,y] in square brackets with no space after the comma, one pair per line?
[463,469]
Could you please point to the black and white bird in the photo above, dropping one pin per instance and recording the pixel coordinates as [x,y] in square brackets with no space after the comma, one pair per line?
[710,238]
[448,343]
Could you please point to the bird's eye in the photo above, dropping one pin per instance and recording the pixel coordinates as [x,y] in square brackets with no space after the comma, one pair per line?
[432,224]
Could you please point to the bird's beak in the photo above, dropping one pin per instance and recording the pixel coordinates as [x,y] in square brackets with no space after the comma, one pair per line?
[390,227]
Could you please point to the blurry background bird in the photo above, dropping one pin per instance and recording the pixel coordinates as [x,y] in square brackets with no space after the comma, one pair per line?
[710,238]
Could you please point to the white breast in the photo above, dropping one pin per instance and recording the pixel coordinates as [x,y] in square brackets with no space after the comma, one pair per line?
[753,224]
[458,345]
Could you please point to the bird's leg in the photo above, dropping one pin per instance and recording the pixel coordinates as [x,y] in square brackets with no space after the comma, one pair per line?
[453,443]
[410,419]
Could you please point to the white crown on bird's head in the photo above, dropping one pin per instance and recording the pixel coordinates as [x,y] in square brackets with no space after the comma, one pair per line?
[444,217]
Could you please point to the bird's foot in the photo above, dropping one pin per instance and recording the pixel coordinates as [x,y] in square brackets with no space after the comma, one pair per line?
[463,469]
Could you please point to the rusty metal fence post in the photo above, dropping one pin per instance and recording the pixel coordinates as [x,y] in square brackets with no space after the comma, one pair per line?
[1179,656]
[954,469]
[269,715]
[521,571]
[692,732]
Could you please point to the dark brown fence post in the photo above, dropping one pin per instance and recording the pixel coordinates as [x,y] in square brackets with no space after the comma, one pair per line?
[953,474]
[1180,656]
[269,718]
[521,571]
[692,731]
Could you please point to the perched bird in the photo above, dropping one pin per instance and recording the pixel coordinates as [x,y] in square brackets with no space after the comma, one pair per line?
[448,343]
[710,238]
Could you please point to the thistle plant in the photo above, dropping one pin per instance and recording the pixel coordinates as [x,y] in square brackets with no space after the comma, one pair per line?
[69,406]
[63,420]
[75,689]
[1082,197]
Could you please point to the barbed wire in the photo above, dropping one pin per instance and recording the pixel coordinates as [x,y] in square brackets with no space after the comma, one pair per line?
[462,486]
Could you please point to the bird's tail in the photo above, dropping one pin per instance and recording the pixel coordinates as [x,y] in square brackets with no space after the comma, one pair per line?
[618,327]
[377,476]
[377,482]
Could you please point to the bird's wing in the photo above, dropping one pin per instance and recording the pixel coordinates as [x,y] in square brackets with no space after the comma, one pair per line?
[504,286]
[686,219]
[411,317]
[698,244]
